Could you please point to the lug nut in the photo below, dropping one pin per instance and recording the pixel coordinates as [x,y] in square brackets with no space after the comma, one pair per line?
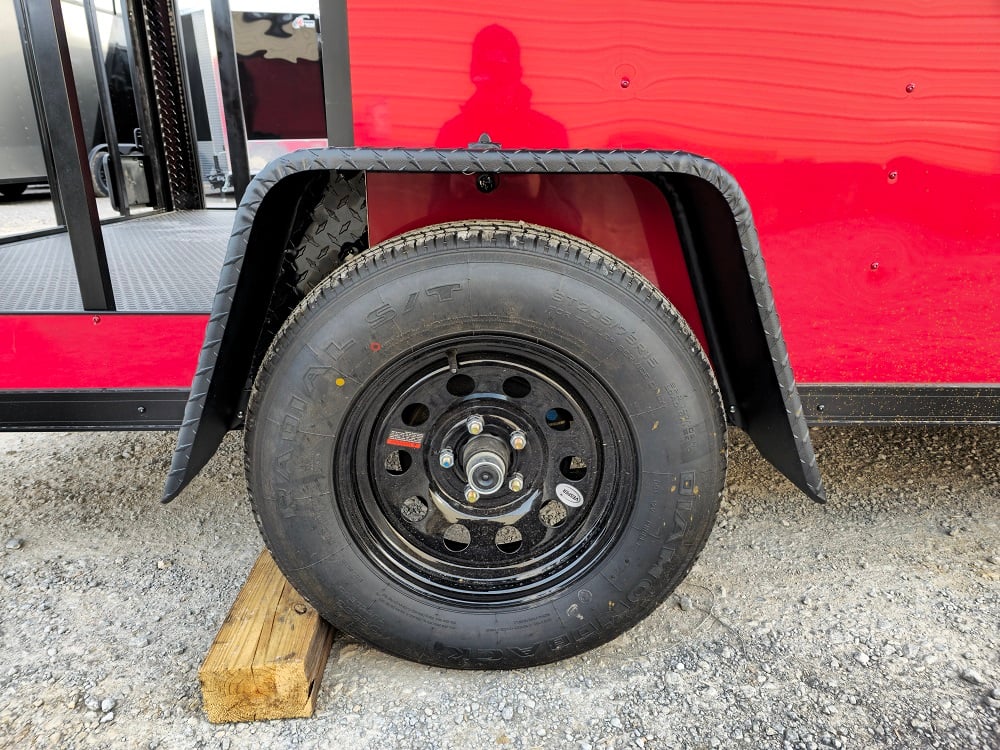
[471,495]
[516,483]
[446,458]
[474,424]
[518,440]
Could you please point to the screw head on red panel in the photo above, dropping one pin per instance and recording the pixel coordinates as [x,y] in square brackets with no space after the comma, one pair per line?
[910,88]
[625,82]
[486,182]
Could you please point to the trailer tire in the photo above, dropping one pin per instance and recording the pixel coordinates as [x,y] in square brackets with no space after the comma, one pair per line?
[99,170]
[469,338]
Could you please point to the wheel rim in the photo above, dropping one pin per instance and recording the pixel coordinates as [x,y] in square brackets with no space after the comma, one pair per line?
[408,510]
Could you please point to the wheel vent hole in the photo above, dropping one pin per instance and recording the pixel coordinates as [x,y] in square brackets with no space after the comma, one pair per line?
[414,509]
[553,514]
[509,540]
[460,385]
[457,538]
[415,414]
[573,468]
[397,462]
[558,419]
[516,387]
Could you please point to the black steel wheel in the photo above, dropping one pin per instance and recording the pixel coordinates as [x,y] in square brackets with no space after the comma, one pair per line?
[465,470]
[485,445]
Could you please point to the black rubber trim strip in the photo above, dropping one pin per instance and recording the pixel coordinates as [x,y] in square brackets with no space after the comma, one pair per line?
[206,418]
[335,55]
[23,411]
[900,403]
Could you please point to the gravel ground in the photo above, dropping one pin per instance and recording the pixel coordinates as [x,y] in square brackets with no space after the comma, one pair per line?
[871,622]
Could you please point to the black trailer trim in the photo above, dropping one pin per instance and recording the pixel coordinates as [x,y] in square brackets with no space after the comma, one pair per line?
[36,180]
[232,98]
[755,374]
[895,403]
[104,96]
[168,139]
[34,234]
[336,59]
[36,100]
[72,181]
[91,410]
[137,41]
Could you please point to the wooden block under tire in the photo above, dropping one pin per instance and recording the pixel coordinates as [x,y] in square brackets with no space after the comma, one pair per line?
[268,658]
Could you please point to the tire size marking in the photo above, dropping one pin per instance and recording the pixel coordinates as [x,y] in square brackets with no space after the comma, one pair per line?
[626,342]
[405,439]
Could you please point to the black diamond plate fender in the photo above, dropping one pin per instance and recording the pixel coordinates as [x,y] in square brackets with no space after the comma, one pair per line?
[717,233]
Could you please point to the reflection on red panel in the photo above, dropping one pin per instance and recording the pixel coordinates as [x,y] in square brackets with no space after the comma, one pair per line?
[624,214]
[85,351]
[281,81]
[865,135]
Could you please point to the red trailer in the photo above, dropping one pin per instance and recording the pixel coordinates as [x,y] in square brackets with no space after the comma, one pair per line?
[485,350]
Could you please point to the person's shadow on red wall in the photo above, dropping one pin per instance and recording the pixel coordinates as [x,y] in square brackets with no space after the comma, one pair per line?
[501,104]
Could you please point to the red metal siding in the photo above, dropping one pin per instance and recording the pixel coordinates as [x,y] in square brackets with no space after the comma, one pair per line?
[866,136]
[109,350]
[612,211]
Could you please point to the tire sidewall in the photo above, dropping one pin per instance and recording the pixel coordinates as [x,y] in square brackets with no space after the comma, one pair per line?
[378,310]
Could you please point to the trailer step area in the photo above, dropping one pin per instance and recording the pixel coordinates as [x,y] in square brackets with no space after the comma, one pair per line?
[162,263]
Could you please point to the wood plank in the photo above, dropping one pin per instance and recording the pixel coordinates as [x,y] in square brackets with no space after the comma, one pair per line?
[268,657]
